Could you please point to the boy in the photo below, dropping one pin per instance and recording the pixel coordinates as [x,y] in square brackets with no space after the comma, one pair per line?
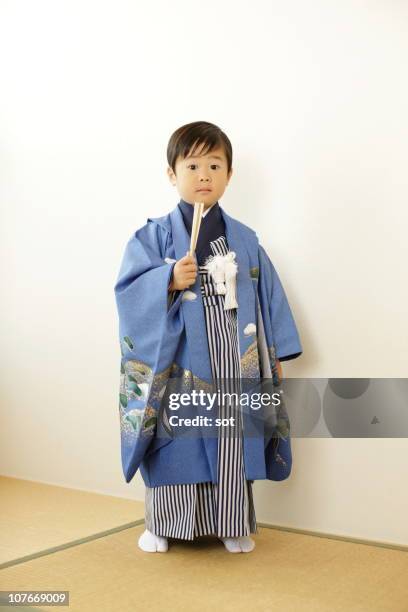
[219,317]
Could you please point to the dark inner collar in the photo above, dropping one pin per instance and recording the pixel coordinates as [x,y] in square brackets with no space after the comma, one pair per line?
[187,211]
[212,227]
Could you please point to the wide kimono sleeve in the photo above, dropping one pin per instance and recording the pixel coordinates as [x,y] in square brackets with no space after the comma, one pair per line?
[150,326]
[285,336]
[283,343]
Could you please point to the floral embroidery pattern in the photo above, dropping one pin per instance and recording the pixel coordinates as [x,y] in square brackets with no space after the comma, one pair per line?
[254,273]
[250,329]
[274,367]
[141,394]
[135,414]
[282,430]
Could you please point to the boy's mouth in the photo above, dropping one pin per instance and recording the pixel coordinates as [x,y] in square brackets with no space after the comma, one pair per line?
[203,190]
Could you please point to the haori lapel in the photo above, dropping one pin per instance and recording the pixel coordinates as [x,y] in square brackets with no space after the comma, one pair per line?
[239,242]
[192,309]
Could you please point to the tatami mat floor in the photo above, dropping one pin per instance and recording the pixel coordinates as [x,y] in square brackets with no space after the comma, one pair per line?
[35,517]
[107,571]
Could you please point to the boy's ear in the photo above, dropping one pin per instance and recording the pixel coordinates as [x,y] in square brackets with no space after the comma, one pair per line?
[230,173]
[171,175]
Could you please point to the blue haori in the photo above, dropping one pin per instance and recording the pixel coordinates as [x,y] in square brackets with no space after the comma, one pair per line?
[226,508]
[162,339]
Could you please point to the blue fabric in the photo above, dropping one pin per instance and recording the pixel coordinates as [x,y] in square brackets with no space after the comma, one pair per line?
[159,342]
[284,332]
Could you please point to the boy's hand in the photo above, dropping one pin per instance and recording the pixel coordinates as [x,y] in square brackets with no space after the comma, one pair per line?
[184,273]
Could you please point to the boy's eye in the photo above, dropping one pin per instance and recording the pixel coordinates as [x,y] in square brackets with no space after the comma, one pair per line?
[212,166]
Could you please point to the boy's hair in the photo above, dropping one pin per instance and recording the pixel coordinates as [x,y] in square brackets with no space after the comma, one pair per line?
[197,133]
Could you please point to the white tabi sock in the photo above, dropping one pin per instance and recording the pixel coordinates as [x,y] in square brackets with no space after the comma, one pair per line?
[150,542]
[231,544]
[246,543]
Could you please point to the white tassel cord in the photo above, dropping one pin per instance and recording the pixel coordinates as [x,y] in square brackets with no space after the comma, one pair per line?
[215,266]
[223,269]
[231,269]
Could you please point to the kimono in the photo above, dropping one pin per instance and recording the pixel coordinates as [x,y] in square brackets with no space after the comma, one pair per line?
[163,339]
[225,508]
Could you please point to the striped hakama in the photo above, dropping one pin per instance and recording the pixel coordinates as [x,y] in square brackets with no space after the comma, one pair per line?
[225,508]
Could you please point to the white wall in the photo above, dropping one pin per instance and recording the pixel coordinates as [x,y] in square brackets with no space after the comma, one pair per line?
[313,96]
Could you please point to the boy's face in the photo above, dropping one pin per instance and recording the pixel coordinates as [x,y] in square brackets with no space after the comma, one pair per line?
[198,172]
